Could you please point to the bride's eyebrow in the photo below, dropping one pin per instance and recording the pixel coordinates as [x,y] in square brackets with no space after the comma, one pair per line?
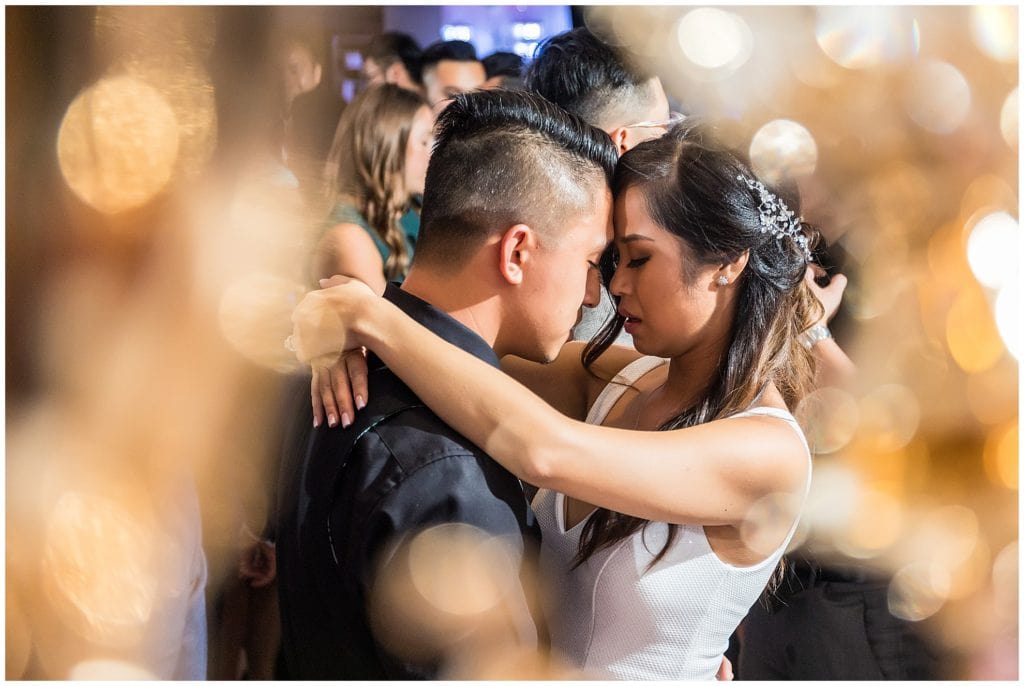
[633,237]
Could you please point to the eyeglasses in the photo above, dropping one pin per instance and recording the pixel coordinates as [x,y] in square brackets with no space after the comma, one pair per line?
[673,119]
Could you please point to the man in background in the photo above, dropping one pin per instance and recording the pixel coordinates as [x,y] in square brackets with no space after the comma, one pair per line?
[311,109]
[393,57]
[504,70]
[449,68]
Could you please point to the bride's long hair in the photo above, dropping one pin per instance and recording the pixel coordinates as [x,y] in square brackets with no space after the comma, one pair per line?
[691,187]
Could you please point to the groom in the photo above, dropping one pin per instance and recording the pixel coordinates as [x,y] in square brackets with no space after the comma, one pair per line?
[516,214]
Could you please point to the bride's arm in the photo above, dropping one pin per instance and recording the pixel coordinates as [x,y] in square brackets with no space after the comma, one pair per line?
[709,474]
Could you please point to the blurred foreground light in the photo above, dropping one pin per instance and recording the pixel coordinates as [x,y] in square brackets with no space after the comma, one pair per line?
[1001,456]
[188,90]
[890,416]
[783,149]
[255,318]
[862,37]
[994,30]
[1007,313]
[918,591]
[1009,118]
[971,333]
[112,670]
[833,499]
[450,584]
[950,534]
[992,249]
[877,525]
[768,521]
[18,637]
[937,96]
[831,417]
[985,195]
[130,32]
[971,576]
[992,394]
[99,569]
[118,144]
[461,570]
[513,663]
[712,38]
[1005,582]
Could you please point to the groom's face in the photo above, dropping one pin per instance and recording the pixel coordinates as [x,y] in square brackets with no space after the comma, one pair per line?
[563,278]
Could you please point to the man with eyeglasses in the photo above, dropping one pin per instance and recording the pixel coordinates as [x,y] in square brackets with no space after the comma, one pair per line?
[605,87]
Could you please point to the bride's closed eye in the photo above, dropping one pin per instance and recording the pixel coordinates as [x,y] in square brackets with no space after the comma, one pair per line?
[636,262]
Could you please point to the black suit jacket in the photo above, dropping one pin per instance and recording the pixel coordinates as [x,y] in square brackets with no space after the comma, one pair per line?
[350,493]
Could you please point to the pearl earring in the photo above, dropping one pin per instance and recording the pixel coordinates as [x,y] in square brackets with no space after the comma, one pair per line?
[722,280]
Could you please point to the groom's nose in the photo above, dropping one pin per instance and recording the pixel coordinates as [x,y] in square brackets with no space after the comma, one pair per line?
[592,296]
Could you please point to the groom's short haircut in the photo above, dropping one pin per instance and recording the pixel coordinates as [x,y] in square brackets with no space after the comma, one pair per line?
[503,158]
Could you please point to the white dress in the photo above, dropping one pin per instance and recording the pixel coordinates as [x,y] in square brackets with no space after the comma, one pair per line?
[614,618]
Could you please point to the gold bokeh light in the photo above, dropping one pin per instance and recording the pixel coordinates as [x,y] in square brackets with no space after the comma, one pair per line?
[1009,118]
[890,416]
[1001,456]
[255,318]
[99,567]
[971,332]
[1006,583]
[918,591]
[460,570]
[937,96]
[783,149]
[714,39]
[994,30]
[831,416]
[992,249]
[118,144]
[878,524]
[862,37]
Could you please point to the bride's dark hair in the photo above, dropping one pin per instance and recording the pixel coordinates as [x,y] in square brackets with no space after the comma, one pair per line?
[691,188]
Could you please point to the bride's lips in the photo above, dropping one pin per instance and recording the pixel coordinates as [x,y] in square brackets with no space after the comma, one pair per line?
[631,322]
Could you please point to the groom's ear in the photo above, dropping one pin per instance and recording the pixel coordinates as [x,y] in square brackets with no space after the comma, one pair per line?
[516,249]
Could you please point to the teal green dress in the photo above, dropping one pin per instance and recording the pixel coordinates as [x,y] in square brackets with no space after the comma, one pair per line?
[344,213]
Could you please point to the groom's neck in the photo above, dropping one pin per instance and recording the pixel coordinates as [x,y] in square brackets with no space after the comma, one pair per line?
[464,296]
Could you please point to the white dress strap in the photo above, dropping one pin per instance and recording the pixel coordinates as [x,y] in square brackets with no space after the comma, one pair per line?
[626,378]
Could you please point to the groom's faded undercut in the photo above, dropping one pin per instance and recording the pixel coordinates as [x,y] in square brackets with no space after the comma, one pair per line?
[503,158]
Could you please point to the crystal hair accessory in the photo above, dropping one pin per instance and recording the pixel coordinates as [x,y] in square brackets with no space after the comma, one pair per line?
[776,218]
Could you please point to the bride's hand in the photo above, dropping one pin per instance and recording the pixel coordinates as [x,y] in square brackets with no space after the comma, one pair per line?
[324,324]
[325,321]
[340,390]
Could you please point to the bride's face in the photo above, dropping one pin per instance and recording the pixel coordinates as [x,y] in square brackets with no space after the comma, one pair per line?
[670,299]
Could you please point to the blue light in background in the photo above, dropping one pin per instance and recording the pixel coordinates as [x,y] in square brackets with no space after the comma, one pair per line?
[518,28]
[456,32]
[524,49]
[353,60]
[527,31]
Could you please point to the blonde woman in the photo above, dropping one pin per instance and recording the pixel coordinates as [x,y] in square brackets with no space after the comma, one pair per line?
[375,174]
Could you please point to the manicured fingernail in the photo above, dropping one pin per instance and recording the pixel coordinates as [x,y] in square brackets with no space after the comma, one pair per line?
[345,421]
[316,422]
[360,403]
[332,421]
